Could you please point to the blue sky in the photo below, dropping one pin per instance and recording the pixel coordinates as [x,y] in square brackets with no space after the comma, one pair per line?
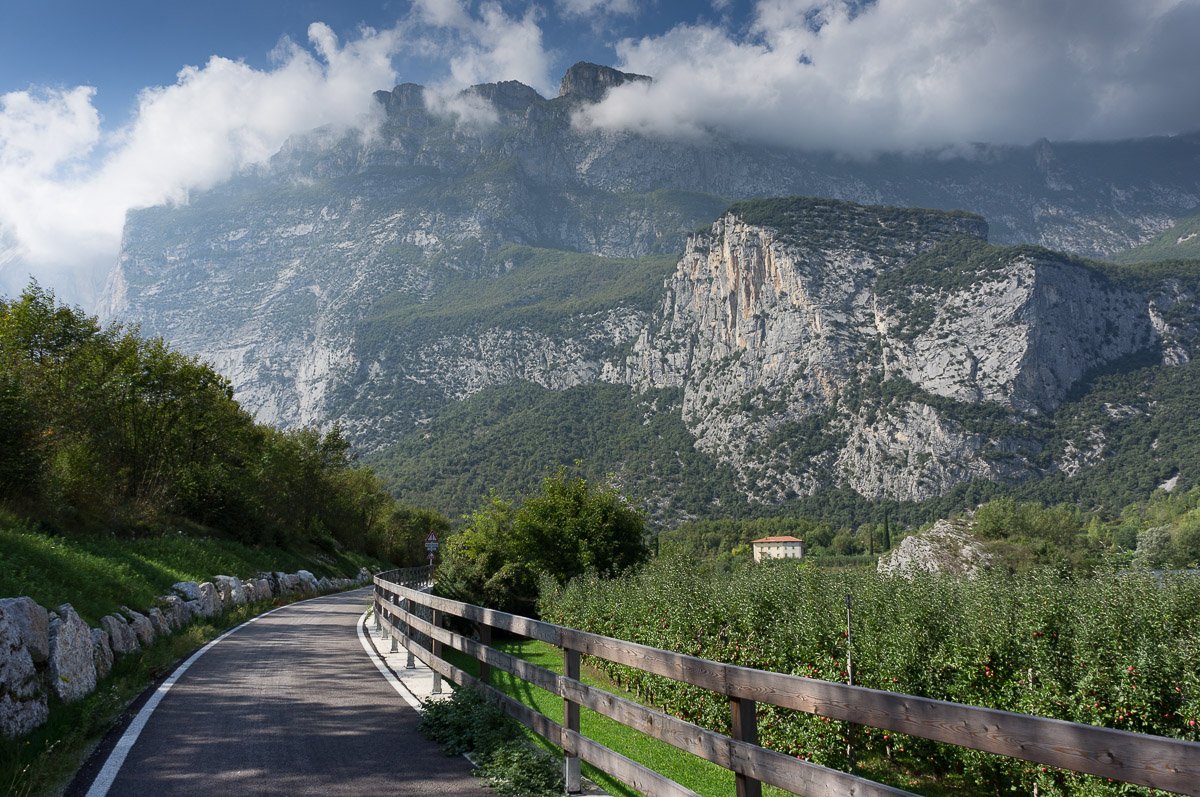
[108,106]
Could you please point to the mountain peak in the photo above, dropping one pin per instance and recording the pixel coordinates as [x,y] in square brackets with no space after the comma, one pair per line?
[591,82]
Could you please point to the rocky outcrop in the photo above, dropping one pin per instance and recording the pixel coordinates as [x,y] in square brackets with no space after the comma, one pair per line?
[591,82]
[72,662]
[71,658]
[946,549]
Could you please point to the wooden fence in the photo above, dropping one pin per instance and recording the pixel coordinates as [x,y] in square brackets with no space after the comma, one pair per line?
[1140,759]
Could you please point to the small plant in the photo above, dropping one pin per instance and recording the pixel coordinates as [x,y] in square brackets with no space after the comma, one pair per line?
[468,723]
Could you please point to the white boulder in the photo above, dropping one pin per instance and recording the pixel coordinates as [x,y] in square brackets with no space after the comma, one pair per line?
[72,661]
[22,700]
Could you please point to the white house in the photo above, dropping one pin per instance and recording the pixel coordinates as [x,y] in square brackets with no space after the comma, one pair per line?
[778,548]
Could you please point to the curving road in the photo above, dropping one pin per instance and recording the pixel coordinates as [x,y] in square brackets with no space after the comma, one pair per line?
[290,705]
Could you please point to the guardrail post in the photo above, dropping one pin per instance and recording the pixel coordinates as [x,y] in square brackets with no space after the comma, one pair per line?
[571,723]
[485,638]
[745,729]
[378,626]
[436,647]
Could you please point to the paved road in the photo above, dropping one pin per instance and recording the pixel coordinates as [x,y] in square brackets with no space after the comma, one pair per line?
[291,705]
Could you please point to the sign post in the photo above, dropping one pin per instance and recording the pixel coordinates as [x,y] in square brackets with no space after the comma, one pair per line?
[431,545]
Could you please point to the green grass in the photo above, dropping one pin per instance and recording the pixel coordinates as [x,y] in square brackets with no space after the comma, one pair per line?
[43,762]
[97,575]
[682,767]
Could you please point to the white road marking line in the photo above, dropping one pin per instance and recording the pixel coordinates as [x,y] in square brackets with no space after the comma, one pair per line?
[108,773]
[377,659]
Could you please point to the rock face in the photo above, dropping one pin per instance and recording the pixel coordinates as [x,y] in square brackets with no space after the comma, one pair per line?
[946,549]
[591,82]
[22,700]
[815,351]
[72,664]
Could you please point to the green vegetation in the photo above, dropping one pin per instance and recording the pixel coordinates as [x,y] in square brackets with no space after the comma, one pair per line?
[108,432]
[1178,242]
[99,574]
[831,223]
[570,528]
[1119,649]
[508,438]
[524,287]
[467,723]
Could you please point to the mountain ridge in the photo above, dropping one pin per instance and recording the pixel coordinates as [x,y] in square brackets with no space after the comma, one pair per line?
[315,283]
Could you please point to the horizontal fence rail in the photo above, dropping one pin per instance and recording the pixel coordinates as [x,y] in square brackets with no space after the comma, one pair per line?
[1139,759]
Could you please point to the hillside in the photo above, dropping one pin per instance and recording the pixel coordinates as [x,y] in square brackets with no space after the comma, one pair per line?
[1180,241]
[849,360]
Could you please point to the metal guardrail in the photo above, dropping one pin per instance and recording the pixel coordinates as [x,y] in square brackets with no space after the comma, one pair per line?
[1140,759]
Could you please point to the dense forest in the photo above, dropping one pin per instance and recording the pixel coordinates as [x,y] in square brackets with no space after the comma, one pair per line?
[105,431]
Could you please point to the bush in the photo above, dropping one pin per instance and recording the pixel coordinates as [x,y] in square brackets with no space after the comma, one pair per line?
[570,528]
[467,723]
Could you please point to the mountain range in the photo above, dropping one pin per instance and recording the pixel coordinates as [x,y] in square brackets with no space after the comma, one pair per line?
[483,288]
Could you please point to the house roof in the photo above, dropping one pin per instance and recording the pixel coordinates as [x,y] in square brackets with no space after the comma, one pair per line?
[779,539]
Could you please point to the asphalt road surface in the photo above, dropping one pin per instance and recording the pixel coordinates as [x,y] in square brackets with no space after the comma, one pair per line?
[290,705]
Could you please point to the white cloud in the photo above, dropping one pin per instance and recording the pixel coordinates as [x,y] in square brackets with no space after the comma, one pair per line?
[596,8]
[65,185]
[486,47]
[905,74]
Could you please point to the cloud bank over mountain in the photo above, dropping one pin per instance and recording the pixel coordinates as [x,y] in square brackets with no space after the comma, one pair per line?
[854,76]
[918,74]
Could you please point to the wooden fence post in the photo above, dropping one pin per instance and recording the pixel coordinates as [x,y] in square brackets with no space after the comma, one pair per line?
[745,729]
[436,647]
[394,599]
[410,661]
[571,723]
[485,669]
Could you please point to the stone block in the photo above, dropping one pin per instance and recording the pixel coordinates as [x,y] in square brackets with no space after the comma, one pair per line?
[72,661]
[102,654]
[33,623]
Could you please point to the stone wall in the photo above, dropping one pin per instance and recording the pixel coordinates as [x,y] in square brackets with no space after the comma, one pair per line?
[46,652]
